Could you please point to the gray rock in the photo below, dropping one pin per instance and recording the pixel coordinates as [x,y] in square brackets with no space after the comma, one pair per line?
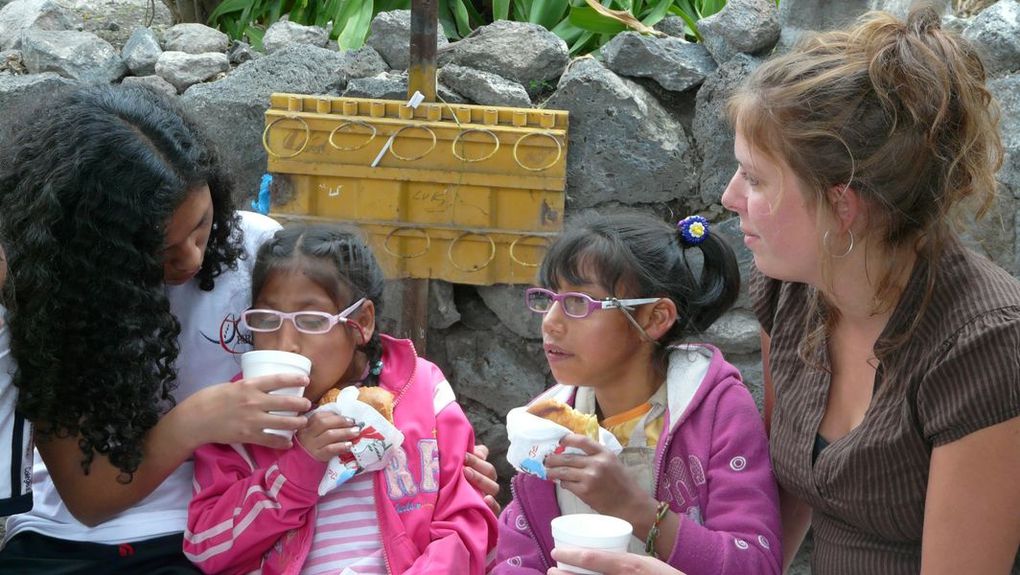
[736,332]
[441,314]
[484,87]
[624,146]
[525,53]
[712,131]
[141,52]
[23,15]
[152,82]
[285,32]
[240,52]
[390,36]
[195,39]
[365,62]
[674,63]
[21,93]
[900,8]
[729,230]
[995,235]
[115,20]
[507,302]
[955,24]
[184,70]
[12,62]
[495,369]
[442,307]
[232,109]
[1007,91]
[814,15]
[80,56]
[392,86]
[672,26]
[995,33]
[747,26]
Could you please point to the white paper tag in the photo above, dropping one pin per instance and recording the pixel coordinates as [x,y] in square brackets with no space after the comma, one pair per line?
[532,438]
[370,451]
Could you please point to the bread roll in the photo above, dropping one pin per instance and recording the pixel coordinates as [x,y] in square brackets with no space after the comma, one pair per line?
[567,416]
[380,399]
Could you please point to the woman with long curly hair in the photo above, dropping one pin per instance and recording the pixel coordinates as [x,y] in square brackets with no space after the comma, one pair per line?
[125,256]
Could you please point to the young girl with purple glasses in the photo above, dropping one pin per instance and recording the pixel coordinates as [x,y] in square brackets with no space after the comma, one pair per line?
[618,297]
[316,291]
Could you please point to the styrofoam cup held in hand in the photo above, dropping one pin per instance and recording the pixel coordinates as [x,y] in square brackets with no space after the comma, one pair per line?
[272,362]
[590,531]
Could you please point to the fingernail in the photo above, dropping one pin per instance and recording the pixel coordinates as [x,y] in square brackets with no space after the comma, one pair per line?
[356,429]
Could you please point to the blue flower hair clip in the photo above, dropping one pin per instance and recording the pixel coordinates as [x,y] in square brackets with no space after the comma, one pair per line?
[693,230]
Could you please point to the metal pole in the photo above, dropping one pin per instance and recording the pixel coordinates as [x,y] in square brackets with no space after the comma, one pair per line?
[421,77]
[421,73]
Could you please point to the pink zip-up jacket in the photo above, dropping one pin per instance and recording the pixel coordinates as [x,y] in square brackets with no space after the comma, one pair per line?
[254,508]
[711,465]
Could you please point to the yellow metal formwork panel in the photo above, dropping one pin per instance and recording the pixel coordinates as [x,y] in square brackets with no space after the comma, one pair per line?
[468,194]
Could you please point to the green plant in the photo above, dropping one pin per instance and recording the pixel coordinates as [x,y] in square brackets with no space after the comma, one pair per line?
[584,25]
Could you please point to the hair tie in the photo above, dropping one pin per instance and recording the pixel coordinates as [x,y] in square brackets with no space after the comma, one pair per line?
[693,230]
[377,368]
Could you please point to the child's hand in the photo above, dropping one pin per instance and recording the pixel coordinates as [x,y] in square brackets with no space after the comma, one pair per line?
[328,435]
[597,477]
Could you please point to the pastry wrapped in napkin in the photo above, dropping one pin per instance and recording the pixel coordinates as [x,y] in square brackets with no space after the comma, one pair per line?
[373,447]
[535,431]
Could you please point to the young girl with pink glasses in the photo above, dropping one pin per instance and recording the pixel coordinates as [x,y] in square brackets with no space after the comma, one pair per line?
[316,291]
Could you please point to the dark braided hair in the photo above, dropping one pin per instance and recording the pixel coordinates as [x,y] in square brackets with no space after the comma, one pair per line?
[86,189]
[635,255]
[337,259]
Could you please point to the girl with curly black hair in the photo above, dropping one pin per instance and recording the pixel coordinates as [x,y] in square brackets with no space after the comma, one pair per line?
[125,257]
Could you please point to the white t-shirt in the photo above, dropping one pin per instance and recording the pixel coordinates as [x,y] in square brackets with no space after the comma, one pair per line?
[202,361]
[15,437]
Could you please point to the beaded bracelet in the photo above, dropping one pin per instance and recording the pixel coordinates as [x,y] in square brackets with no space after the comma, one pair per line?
[660,514]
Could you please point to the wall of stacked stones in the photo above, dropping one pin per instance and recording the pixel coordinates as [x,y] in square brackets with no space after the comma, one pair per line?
[646,130]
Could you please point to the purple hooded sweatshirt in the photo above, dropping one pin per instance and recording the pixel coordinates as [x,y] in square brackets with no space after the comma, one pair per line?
[711,465]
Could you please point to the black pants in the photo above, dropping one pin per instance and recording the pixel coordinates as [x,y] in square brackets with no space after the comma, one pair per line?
[31,553]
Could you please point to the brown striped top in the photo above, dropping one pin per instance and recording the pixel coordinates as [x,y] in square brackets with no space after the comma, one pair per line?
[959,372]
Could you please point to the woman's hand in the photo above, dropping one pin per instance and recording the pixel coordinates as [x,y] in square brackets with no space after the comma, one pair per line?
[599,479]
[238,411]
[610,563]
[328,435]
[482,476]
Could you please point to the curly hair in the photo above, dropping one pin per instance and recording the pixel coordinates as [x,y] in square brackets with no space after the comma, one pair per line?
[87,188]
[335,258]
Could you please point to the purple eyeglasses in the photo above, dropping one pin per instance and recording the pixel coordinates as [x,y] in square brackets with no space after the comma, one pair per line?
[577,305]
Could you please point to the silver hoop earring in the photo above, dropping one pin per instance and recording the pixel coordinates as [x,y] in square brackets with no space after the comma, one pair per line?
[850,248]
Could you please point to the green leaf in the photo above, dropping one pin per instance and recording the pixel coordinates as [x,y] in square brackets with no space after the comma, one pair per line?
[228,7]
[356,28]
[255,36]
[692,25]
[656,12]
[548,13]
[500,9]
[583,44]
[588,19]
[460,16]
